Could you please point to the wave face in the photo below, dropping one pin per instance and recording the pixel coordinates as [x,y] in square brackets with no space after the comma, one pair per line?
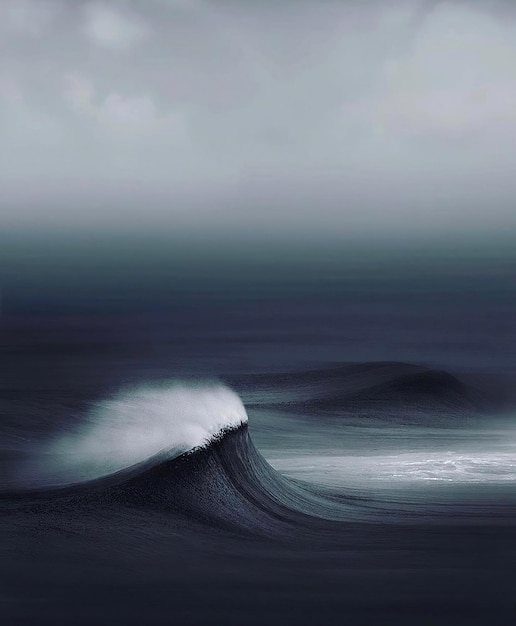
[226,485]
[137,425]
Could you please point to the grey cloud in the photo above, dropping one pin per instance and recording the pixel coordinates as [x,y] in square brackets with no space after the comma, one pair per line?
[111,28]
[345,114]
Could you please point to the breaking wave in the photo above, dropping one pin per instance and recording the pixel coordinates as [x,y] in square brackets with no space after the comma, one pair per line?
[147,422]
[184,451]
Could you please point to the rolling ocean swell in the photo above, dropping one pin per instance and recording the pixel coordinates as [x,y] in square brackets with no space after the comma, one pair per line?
[186,448]
[305,492]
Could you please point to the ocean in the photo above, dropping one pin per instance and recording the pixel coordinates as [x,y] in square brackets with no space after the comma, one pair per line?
[260,457]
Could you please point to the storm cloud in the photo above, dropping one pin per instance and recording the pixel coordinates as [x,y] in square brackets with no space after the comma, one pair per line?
[188,114]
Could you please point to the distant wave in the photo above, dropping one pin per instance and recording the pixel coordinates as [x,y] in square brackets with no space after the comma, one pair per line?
[398,389]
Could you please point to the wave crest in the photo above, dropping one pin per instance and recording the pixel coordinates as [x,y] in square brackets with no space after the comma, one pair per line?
[138,424]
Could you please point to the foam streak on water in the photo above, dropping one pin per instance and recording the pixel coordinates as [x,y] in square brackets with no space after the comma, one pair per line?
[403,468]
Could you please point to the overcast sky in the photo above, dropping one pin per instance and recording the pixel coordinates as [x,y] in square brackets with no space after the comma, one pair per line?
[323,116]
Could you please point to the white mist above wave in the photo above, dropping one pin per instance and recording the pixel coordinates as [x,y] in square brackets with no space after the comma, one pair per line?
[136,425]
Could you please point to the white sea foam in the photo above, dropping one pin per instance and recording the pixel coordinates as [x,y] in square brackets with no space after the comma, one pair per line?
[141,423]
[387,470]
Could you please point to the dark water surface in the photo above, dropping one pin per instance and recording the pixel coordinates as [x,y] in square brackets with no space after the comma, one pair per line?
[374,482]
